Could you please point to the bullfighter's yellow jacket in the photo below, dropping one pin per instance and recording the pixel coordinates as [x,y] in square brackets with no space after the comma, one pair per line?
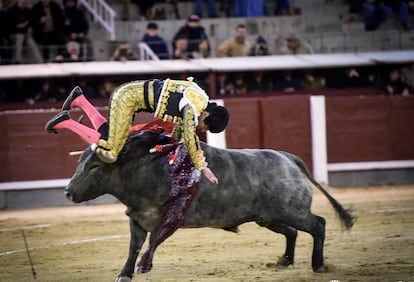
[178,101]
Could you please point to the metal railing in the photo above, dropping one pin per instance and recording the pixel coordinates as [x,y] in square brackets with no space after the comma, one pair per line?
[101,13]
[145,52]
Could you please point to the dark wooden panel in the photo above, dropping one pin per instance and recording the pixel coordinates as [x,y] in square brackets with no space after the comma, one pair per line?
[357,129]
[286,125]
[244,130]
[401,128]
[4,147]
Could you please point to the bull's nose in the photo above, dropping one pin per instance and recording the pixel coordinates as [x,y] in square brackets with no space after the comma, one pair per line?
[68,196]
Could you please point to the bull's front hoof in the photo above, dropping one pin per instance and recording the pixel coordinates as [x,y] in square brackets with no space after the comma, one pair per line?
[283,262]
[324,268]
[144,268]
[123,279]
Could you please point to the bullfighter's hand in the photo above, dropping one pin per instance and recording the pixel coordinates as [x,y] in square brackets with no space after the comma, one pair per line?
[209,175]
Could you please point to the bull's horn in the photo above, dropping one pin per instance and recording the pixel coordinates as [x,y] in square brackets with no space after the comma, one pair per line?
[75,153]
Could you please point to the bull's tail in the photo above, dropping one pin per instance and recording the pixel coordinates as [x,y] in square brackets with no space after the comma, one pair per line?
[345,215]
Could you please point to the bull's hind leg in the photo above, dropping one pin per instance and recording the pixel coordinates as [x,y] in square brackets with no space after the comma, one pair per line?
[315,225]
[290,234]
[318,233]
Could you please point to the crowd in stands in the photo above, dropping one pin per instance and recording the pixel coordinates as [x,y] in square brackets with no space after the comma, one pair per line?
[376,12]
[395,80]
[54,31]
[46,32]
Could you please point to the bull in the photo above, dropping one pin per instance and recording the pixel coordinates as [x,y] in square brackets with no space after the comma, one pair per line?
[271,188]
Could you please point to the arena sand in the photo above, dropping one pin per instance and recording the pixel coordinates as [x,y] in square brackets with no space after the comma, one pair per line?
[90,243]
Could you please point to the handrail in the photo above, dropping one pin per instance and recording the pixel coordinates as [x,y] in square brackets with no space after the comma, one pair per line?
[146,53]
[102,13]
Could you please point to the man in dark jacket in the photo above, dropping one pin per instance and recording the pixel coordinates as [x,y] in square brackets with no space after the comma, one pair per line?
[193,32]
[156,42]
[21,28]
[48,26]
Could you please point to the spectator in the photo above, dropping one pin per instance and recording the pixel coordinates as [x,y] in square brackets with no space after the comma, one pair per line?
[237,46]
[211,8]
[312,81]
[193,32]
[106,88]
[46,92]
[295,46]
[283,7]
[156,42]
[48,27]
[203,50]
[123,52]
[77,28]
[224,86]
[260,47]
[407,73]
[5,39]
[248,8]
[20,90]
[350,77]
[240,86]
[22,33]
[395,85]
[87,90]
[287,83]
[374,14]
[181,50]
[402,9]
[259,83]
[71,54]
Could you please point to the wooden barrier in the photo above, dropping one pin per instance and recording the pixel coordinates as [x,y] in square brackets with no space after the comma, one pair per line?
[359,129]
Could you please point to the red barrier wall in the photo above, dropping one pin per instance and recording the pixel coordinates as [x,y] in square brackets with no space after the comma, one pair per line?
[370,128]
[358,129]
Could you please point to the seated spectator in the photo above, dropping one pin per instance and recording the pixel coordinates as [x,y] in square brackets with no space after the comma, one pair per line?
[237,46]
[350,77]
[249,8]
[407,73]
[203,50]
[287,83]
[312,81]
[283,7]
[295,46]
[48,27]
[260,47]
[77,27]
[20,20]
[375,14]
[71,54]
[240,86]
[193,32]
[123,52]
[156,42]
[21,90]
[5,38]
[401,9]
[224,85]
[46,92]
[106,88]
[259,83]
[211,8]
[395,85]
[87,90]
[181,51]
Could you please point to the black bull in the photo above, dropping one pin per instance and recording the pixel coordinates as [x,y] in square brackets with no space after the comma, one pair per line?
[268,187]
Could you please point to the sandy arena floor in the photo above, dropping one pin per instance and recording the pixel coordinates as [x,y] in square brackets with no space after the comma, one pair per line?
[90,243]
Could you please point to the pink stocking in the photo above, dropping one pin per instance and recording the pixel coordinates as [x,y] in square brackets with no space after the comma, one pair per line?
[88,134]
[94,116]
